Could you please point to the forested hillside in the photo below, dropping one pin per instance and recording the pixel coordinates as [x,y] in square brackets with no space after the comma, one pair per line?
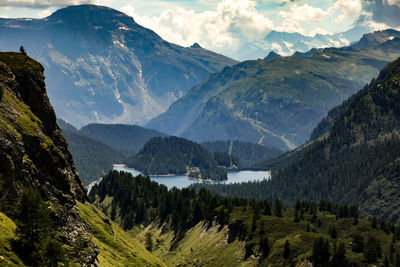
[356,162]
[248,154]
[92,158]
[277,102]
[174,155]
[183,227]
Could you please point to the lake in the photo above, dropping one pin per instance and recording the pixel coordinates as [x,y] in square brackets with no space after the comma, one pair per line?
[180,181]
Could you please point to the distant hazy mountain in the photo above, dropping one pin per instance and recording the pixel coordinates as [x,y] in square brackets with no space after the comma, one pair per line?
[101,66]
[276,102]
[128,139]
[286,43]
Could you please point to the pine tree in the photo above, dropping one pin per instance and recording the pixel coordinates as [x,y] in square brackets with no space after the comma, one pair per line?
[278,207]
[264,246]
[32,219]
[321,252]
[357,244]
[286,250]
[22,50]
[149,242]
[372,250]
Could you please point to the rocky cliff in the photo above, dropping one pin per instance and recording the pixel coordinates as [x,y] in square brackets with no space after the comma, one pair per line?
[34,153]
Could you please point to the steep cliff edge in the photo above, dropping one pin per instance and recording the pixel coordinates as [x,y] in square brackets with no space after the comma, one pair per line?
[34,153]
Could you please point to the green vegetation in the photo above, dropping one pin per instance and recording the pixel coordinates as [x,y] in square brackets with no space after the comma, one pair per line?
[274,102]
[247,153]
[35,242]
[356,162]
[116,247]
[7,233]
[174,155]
[92,158]
[186,227]
[19,63]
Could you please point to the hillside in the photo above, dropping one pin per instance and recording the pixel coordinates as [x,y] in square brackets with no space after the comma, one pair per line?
[174,155]
[45,215]
[186,228]
[34,153]
[101,66]
[128,139]
[276,102]
[356,161]
[92,158]
[248,154]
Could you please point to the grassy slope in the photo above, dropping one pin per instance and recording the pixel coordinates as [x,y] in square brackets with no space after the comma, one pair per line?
[116,247]
[210,247]
[7,228]
[199,247]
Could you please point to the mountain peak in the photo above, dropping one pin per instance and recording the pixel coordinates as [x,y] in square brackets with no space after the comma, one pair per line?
[90,15]
[273,55]
[196,45]
[377,37]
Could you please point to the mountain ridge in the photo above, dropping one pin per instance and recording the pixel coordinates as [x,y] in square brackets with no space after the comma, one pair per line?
[276,102]
[101,66]
[352,160]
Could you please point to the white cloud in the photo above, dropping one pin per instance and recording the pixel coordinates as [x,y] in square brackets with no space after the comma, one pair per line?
[224,29]
[304,13]
[393,2]
[348,8]
[298,15]
[42,3]
[45,13]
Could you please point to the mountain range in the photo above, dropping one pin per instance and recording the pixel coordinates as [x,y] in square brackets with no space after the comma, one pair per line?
[353,156]
[287,43]
[277,101]
[101,66]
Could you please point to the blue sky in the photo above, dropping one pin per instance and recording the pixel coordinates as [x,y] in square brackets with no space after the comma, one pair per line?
[227,24]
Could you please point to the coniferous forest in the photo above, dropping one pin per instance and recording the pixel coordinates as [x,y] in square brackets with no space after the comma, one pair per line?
[174,155]
[228,133]
[323,233]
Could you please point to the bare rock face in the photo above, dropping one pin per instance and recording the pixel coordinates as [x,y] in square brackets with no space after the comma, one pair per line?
[34,153]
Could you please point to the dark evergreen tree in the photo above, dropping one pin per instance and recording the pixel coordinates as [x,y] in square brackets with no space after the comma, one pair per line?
[357,244]
[286,250]
[372,250]
[278,208]
[22,50]
[264,246]
[149,242]
[321,252]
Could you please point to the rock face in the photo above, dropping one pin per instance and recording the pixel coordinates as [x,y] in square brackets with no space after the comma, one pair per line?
[101,66]
[34,153]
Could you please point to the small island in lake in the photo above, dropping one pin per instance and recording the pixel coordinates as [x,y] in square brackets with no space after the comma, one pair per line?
[178,156]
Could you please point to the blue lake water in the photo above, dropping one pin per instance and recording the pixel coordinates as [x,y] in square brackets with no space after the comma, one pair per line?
[180,181]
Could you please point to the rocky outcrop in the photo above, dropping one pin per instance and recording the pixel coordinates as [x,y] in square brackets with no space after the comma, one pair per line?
[34,153]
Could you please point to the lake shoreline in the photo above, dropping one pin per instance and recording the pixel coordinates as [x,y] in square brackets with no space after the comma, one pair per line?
[182,181]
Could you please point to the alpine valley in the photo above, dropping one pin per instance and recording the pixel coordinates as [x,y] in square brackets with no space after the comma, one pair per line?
[323,126]
[277,101]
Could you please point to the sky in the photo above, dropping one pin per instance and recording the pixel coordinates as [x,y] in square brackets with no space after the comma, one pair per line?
[221,24]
